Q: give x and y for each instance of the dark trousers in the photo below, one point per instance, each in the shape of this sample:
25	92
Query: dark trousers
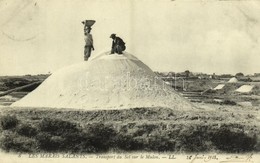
87	52
117	49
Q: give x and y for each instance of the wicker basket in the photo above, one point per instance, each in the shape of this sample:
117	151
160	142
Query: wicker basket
88	23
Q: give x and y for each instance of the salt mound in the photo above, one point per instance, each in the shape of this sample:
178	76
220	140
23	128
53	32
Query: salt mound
233	80
219	87
245	89
105	82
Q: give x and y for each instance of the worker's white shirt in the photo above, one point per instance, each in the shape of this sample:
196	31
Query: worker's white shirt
88	39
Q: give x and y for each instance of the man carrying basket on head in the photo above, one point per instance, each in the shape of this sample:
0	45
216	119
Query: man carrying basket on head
88	38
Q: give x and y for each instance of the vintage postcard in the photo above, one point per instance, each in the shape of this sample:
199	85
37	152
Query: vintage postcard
130	81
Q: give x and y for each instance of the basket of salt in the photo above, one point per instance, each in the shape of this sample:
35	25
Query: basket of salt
88	23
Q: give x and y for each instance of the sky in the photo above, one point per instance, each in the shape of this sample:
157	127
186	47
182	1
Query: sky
210	36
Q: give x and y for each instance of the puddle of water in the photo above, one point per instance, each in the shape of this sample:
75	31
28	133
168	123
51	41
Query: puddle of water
245	103
218	100
8	98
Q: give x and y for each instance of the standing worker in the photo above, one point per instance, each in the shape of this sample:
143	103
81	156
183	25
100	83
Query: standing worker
118	45
88	38
88	44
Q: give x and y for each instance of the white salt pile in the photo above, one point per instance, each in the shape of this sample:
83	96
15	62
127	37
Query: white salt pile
105	82
245	89
219	87
233	80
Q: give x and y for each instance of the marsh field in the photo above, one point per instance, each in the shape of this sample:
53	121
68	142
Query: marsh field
225	122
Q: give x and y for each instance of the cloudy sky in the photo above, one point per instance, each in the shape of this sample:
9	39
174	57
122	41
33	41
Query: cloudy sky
212	36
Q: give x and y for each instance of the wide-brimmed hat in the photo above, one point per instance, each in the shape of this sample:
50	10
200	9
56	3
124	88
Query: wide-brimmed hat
112	35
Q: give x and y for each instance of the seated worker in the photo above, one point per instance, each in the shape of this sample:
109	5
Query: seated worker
118	45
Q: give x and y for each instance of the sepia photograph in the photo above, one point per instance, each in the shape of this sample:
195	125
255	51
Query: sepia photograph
130	80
